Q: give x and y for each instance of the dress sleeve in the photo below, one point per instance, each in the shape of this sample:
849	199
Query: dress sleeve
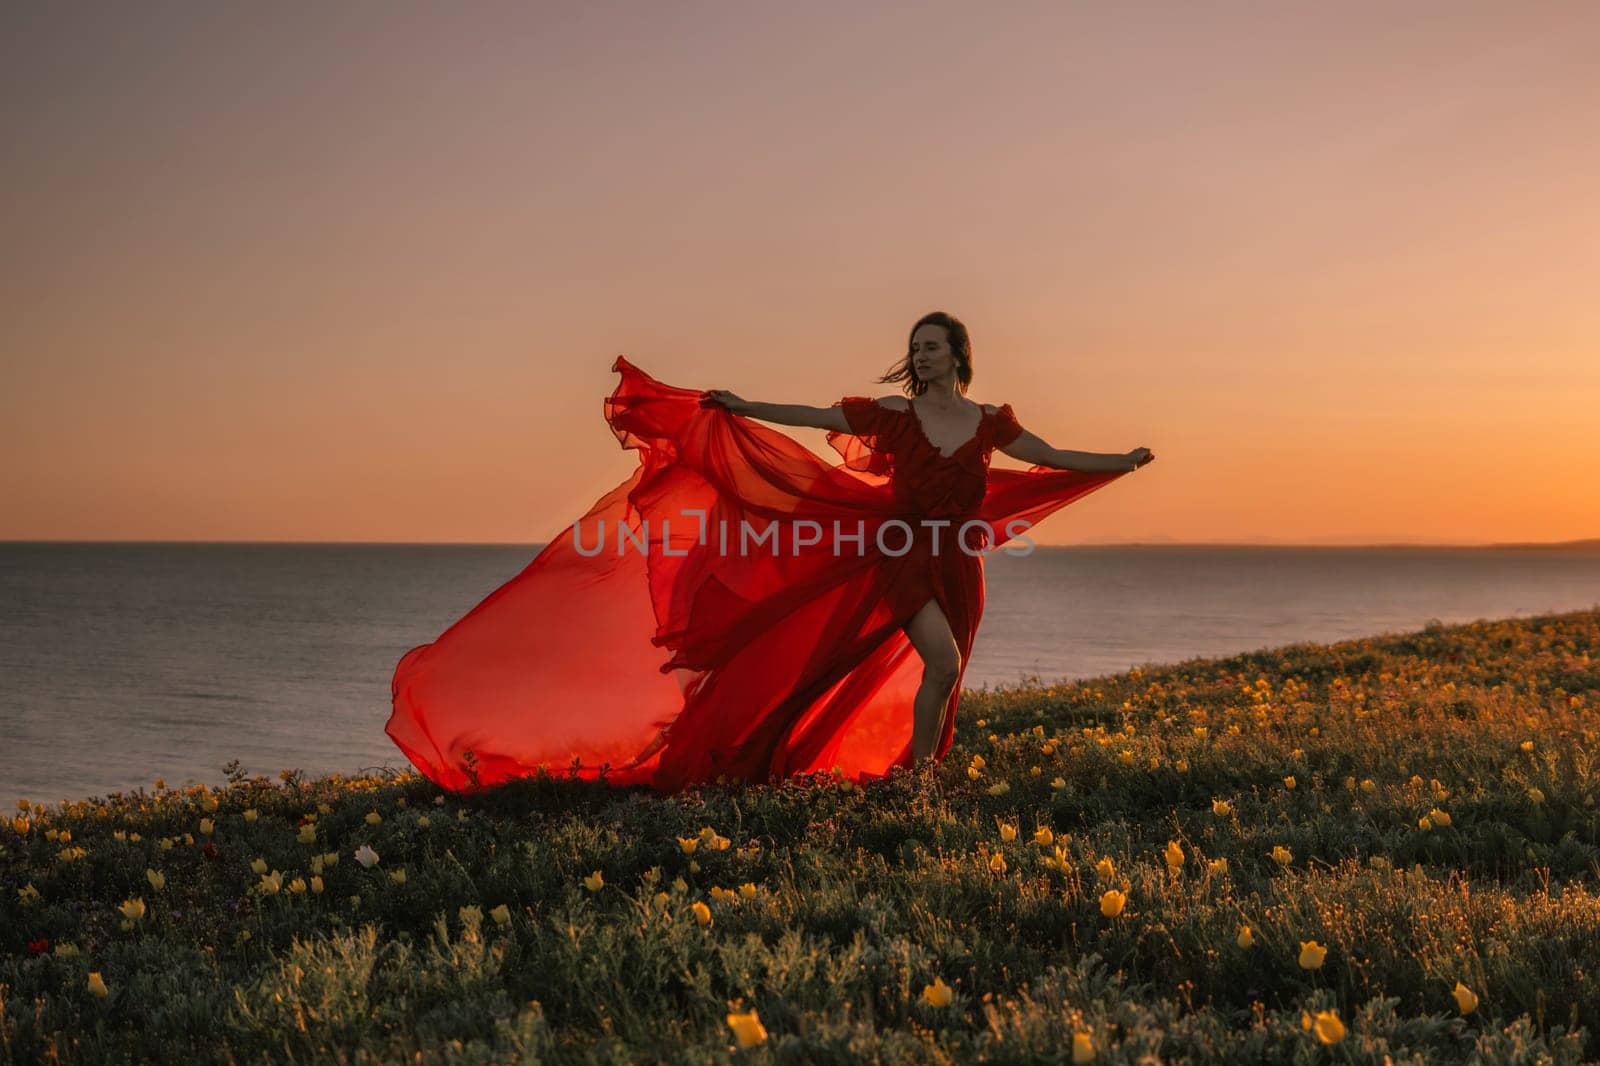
869	444
1006	426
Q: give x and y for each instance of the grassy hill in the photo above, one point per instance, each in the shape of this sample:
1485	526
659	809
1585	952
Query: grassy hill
1406	825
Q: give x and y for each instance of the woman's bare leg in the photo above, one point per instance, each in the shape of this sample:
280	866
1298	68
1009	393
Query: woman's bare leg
930	635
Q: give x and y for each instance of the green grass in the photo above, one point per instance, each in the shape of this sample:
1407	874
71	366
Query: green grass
859	899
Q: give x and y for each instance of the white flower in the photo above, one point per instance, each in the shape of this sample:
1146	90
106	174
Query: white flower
366	856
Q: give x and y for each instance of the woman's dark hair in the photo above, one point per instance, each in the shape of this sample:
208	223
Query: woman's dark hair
960	349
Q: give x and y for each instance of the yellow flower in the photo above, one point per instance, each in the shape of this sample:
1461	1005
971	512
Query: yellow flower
594	882
1246	939
1535	795
1059	783
1424	822
1106	868
1126	757
21	824
271	883
999	788
258	866
132	909
1182	766
298	886
27	894
1112	902
501	915
1200	731
747	1028
748	890
1329	1029
1174	856
250	815
1008	833
206	826
208	803
398	876
1281	855
1311	955
1082	1048
702	913
978	760
688	844
423	821
1044	836
331	858
307	834
937	994
997	863
974	773
1527	745
374	818
1218	866
470	913
1288	782
1221	808
316	886
1440	818
157	879
1368	785
97	984
1466	999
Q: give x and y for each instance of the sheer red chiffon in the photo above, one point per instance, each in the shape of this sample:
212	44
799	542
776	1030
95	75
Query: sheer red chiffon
717	615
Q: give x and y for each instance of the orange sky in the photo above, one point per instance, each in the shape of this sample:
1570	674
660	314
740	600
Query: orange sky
340	272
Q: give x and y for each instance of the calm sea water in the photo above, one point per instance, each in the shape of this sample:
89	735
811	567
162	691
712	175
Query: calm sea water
120	663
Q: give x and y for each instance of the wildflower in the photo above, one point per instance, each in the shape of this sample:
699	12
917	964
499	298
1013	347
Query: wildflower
1174	856
298	886
747	1028
271	883
307	834
1288	782
1044	836
1466	999
1535	796
1125	757
1182	766
974	773
157	879
1368	785
1311	955
937	994
27	894
688	844
1082	1048
66	951
999	788
1246	939
1527	746
1059	783
206	826
594	882
1281	855
1106	868
1424	822
366	856
702	913
1440	818
1112	902
1008	833
501	915
1329	1029
1218	866
258	866
316	886
997	863
132	909
97	984
423	821
374	818
208	803
250	815
398	876
748	890
1221	808
331	858
978	760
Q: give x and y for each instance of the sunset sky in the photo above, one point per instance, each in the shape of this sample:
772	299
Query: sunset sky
357	271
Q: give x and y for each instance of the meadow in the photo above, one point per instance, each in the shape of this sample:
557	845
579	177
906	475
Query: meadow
1379	850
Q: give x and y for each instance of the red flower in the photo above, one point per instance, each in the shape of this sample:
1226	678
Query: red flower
209	851
38	947
303	820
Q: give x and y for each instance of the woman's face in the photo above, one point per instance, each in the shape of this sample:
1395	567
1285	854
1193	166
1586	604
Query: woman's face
930	353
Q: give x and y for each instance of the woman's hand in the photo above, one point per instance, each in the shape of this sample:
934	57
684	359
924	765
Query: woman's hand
1138	457
724	398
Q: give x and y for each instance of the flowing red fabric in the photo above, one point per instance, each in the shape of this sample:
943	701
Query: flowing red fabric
648	644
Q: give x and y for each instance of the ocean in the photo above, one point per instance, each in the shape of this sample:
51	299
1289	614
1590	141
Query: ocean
124	662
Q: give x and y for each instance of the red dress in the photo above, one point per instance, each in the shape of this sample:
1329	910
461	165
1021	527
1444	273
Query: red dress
649	644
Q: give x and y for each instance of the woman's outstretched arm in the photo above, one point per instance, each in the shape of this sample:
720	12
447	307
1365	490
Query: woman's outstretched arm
784	414
1032	449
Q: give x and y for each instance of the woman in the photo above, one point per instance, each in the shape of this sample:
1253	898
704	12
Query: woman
814	617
